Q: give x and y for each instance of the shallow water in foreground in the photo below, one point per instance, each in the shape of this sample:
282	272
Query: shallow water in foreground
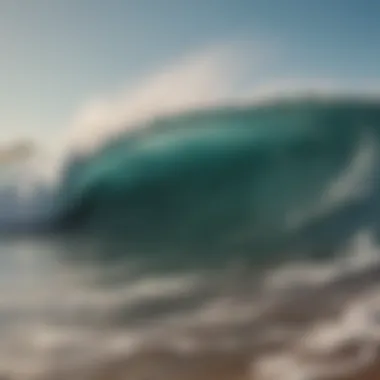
71	314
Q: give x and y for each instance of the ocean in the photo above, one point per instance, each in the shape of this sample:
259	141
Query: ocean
238	242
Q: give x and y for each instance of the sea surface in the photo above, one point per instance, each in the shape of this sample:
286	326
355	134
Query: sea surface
231	243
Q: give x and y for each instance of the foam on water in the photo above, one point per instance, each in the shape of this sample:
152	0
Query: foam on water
60	319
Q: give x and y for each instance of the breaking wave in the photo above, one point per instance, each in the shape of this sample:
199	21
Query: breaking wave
280	183
297	175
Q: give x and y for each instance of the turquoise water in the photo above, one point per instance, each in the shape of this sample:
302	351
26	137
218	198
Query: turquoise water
252	179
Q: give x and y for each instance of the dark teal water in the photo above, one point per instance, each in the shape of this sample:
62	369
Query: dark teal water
255	179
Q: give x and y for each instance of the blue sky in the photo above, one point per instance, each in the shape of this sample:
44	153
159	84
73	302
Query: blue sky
58	55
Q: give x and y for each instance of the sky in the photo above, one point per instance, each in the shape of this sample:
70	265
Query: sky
80	65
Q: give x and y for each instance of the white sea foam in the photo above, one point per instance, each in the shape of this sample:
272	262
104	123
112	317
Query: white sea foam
42	343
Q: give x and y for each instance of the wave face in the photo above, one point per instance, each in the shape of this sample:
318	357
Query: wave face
300	175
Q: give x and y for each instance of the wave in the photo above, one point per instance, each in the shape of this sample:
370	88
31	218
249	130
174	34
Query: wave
295	175
293	178
298	174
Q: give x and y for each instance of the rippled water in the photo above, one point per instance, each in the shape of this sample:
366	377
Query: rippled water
62	309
